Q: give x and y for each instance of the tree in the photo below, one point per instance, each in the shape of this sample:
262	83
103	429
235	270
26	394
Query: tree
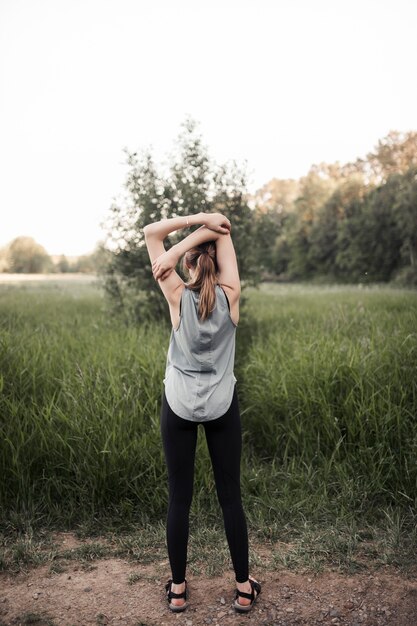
192	184
275	203
24	255
349	221
267	229
405	214
369	240
281	255
314	191
326	224
278	196
394	154
94	263
4	261
352	259
63	265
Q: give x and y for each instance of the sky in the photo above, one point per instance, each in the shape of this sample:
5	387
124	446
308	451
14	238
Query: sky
276	84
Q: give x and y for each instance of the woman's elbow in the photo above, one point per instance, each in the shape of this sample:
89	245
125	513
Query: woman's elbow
147	230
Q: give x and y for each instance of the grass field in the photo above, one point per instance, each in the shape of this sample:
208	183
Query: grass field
327	383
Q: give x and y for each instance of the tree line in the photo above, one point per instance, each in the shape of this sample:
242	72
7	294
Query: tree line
24	255
352	222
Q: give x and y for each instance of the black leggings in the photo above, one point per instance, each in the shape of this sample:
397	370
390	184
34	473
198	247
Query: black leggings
224	440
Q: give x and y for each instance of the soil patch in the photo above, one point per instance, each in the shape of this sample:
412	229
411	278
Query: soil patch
120	592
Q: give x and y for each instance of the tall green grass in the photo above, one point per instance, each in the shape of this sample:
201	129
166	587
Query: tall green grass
331	387
79	407
327	381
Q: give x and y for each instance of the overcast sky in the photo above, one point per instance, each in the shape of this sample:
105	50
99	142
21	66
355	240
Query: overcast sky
281	84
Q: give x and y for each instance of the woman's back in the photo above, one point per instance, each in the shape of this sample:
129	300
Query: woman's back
199	378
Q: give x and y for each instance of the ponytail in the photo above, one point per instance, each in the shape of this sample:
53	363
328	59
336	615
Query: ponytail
203	260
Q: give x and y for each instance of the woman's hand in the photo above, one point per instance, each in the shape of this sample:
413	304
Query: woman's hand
217	222
163	265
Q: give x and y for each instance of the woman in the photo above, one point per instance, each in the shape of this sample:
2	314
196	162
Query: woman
199	387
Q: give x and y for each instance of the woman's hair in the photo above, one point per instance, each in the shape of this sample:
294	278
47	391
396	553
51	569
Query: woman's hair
202	259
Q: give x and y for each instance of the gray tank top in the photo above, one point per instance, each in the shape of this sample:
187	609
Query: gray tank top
199	378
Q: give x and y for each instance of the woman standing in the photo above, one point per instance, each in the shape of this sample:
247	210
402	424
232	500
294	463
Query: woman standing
199	387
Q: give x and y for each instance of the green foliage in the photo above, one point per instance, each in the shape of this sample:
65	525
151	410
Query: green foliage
351	223
370	239
405	215
323	245
267	228
193	184
74	430
25	255
355	222
314	190
94	263
394	154
352	238
63	264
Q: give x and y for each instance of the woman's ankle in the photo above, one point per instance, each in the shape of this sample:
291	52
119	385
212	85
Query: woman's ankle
178	587
246	583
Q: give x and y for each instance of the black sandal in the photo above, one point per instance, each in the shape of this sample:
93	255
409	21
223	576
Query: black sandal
244	608
171	594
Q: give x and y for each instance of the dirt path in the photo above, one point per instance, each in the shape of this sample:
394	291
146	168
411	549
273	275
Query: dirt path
118	592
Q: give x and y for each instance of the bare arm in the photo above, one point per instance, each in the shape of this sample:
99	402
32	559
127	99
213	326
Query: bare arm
228	276
227	264
163	261
214	221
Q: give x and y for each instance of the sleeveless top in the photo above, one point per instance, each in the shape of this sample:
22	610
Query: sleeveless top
199	378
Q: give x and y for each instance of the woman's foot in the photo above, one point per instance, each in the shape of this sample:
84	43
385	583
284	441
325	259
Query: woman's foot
246	594
176	595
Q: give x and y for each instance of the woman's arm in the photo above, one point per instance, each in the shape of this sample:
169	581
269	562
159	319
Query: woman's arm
160	230
228	275
228	267
164	262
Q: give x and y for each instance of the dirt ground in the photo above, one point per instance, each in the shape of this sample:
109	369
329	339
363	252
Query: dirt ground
118	592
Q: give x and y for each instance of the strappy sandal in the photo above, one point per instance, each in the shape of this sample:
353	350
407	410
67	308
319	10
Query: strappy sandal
177	596
244	608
